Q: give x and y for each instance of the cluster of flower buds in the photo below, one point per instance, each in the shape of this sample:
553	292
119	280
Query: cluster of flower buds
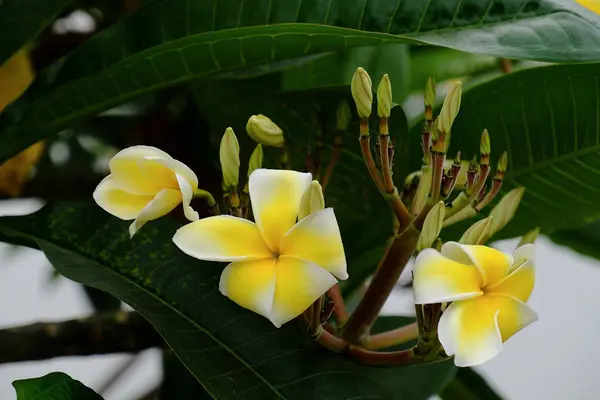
266	133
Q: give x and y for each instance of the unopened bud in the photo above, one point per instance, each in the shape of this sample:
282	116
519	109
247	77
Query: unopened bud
384	97
432	226
486	146
530	237
450	108
312	200
229	154
479	232
362	92
265	131
256	159
506	208
430	92
343	115
502	165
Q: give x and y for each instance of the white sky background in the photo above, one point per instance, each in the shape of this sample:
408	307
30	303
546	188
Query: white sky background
555	358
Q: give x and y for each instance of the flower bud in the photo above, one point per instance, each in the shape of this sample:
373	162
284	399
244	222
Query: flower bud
502	166
430	92
256	159
506	208
384	97
486	146
312	201
343	115
229	153
450	108
479	232
362	92
432	226
265	131
530	237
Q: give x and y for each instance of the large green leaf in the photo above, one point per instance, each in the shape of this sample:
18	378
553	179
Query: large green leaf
585	240
469	385
54	386
547	119
189	40
232	352
22	20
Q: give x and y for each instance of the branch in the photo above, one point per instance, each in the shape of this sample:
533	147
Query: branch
117	332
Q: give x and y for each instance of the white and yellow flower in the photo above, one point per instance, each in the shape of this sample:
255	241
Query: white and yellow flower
146	183
278	267
488	290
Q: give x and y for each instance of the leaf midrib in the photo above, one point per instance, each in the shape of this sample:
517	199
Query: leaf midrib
41	241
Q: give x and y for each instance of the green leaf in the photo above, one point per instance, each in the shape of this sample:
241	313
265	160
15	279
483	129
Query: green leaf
584	240
337	69
54	386
231	351
469	385
197	39
22	20
547	119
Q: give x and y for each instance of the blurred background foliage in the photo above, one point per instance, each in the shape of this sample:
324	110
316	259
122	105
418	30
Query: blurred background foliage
81	79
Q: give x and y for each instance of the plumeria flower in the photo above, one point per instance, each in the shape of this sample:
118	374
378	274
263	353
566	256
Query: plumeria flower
146	183
488	290
278	267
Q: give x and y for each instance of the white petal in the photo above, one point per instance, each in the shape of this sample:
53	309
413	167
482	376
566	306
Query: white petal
187	193
118	202
298	284
438	279
250	284
275	197
493	264
317	239
164	202
469	330
222	238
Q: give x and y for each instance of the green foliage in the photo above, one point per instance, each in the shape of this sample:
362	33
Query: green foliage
547	120
469	385
54	386
228	349
22	20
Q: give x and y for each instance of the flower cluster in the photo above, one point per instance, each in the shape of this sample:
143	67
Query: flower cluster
285	260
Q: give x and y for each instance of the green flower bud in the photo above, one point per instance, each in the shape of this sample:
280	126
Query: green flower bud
485	147
430	92
384	97
432	226
479	232
529	237
450	108
506	208
343	116
229	153
312	201
502	163
256	159
265	131
362	92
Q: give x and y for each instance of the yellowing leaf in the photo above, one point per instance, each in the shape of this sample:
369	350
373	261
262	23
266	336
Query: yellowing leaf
15	172
16	75
593	5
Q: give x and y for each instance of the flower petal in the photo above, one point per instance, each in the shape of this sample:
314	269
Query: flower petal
118	202
469	330
222	238
164	202
275	197
438	279
513	315
298	284
492	264
137	170
522	253
187	193
250	284
317	239
518	284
